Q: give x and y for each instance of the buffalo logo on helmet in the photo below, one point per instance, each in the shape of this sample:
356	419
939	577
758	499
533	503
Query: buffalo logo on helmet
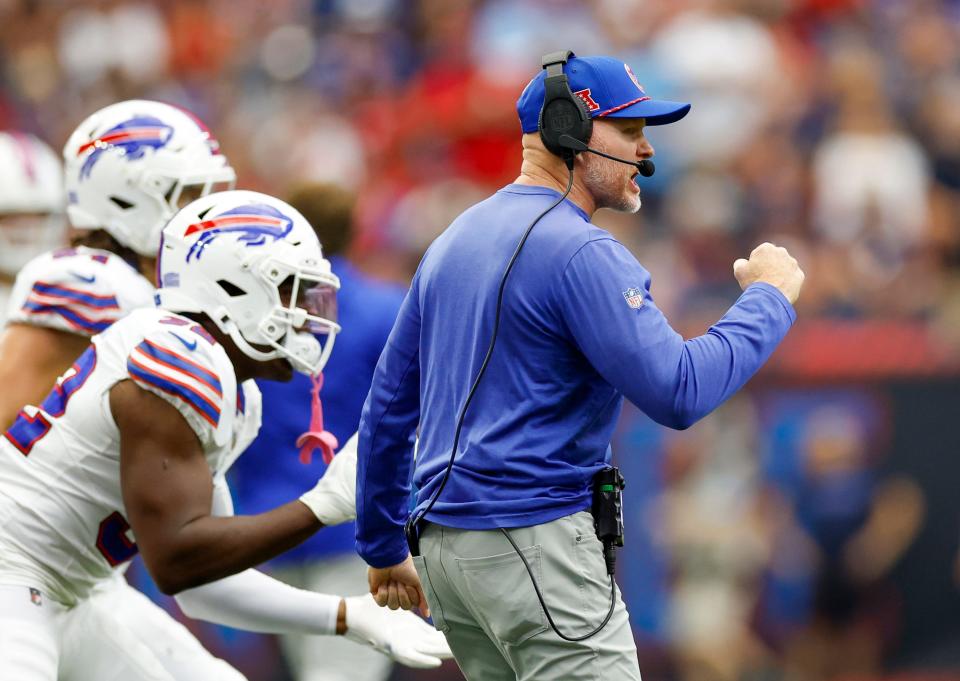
133	137
254	223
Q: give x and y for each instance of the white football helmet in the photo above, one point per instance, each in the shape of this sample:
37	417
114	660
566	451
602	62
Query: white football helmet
31	200
128	164
254	266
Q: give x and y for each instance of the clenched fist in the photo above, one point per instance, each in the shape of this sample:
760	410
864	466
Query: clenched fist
772	265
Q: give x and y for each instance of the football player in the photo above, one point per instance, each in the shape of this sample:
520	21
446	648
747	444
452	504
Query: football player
128	168
128	453
31	205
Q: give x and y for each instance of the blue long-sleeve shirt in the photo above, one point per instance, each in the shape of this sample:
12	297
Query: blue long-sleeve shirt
579	331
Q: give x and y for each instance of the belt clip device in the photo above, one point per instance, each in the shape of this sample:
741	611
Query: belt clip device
608	512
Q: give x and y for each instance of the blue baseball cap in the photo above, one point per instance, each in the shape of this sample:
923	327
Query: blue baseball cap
609	89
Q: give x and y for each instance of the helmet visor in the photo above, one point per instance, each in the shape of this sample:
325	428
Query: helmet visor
319	300
310	302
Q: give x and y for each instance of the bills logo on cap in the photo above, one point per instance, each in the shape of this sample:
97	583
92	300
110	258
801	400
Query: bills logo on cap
584	95
633	78
36	597
634	297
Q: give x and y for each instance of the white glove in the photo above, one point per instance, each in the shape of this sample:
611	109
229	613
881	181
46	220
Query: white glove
334	499
398	634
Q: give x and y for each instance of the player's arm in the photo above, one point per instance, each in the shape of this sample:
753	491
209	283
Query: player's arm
31	359
168	489
604	300
254	601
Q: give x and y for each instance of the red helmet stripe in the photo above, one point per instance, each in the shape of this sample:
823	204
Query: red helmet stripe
123	136
228	220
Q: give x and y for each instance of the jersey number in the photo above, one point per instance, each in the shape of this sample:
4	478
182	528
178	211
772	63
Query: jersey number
28	430
113	542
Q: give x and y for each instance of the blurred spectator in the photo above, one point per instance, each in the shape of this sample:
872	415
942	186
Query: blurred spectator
726	62
870	179
129	40
836	610
719	539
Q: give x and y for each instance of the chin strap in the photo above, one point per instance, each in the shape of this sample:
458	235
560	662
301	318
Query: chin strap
316	437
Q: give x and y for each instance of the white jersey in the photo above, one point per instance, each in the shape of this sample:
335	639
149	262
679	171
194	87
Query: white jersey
78	290
62	518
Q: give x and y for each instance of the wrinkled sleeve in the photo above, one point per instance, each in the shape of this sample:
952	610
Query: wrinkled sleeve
606	305
385	455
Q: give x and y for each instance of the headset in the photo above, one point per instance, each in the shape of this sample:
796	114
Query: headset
565	124
565	129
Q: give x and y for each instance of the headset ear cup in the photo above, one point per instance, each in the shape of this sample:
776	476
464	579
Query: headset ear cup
563	113
556	118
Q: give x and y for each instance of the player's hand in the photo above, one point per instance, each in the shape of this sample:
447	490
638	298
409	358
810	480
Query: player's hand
401	635
398	586
334	499
772	265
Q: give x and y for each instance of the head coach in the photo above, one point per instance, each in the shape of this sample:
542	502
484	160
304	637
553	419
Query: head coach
524	328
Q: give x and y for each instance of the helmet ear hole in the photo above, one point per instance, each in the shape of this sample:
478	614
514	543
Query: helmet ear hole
231	289
121	203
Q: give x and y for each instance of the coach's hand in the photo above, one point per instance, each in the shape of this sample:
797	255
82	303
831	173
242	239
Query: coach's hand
772	265
398	586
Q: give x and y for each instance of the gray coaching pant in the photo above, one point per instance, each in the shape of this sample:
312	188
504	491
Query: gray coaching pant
482	600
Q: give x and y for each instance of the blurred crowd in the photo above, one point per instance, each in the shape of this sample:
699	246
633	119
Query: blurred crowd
832	126
829	126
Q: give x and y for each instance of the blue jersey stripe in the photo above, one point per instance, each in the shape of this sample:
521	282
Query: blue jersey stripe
88	299
200	404
75	318
181	364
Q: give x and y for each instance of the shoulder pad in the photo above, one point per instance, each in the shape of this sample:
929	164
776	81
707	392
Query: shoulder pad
179	361
80	291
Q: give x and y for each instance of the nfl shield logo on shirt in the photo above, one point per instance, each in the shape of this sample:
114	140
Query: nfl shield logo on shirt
634	297
35	597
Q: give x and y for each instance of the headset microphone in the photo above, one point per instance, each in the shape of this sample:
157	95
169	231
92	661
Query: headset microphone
644	167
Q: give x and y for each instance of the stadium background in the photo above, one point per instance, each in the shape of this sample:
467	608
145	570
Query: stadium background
810	528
